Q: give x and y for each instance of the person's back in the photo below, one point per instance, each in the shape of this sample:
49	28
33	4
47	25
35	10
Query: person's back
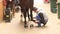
43	16
43	12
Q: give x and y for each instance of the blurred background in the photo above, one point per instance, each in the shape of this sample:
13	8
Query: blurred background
15	26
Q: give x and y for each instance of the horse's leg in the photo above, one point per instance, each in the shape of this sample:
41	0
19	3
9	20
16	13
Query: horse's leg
27	9
31	14
24	13
25	23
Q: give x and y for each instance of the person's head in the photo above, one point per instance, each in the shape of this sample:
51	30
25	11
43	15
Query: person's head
34	9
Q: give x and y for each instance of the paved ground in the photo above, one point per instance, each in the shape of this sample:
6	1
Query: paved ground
16	27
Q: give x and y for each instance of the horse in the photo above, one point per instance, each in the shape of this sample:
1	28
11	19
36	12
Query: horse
25	6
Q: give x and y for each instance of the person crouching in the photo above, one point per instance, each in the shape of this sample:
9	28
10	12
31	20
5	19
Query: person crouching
41	17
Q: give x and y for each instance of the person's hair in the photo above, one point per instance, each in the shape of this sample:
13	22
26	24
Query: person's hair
34	8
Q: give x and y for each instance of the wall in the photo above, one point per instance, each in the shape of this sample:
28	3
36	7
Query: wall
1	10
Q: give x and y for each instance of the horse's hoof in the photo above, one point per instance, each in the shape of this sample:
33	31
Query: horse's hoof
25	26
31	26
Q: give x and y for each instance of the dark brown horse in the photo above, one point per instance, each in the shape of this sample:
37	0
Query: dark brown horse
25	6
